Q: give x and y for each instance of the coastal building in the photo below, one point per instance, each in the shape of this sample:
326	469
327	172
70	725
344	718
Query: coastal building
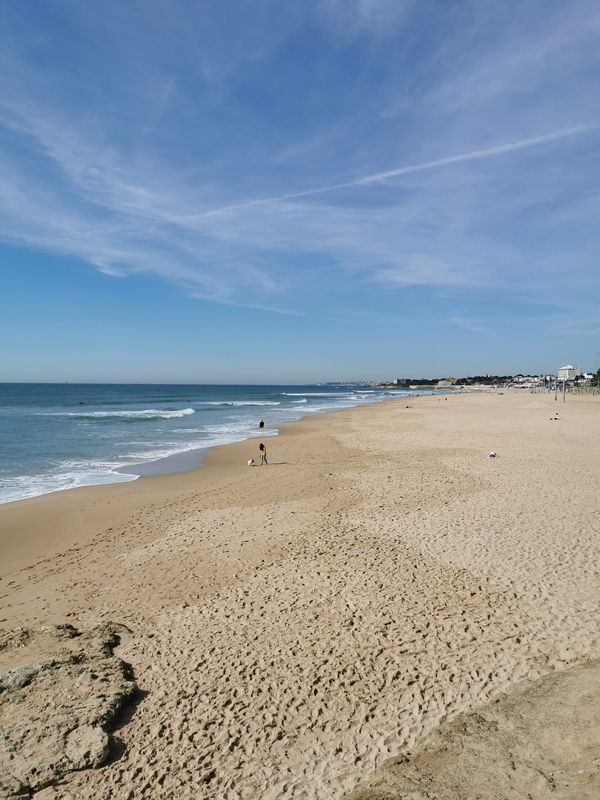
567	373
445	382
414	383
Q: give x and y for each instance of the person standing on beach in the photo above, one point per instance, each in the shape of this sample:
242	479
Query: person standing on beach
261	424
263	453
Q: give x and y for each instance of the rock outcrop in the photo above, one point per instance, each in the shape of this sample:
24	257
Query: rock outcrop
540	741
57	702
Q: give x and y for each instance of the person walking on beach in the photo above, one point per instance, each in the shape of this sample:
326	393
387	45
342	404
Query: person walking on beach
261	424
263	453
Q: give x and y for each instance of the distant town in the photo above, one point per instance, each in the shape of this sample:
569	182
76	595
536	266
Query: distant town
569	376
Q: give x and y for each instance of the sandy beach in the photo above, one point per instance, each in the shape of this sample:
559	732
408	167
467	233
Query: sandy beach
293	626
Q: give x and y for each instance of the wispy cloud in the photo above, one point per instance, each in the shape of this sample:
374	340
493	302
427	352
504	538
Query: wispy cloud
352	18
183	164
473	325
505	56
397	172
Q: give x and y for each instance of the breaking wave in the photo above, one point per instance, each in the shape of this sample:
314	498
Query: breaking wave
146	413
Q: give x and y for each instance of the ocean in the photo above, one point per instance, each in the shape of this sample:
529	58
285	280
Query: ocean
58	436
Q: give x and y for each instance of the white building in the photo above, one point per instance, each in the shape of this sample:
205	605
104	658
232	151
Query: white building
567	373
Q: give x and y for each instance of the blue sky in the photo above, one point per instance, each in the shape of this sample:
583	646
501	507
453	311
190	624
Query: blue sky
280	191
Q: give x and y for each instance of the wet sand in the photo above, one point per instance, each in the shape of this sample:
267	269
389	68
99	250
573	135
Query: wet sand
295	625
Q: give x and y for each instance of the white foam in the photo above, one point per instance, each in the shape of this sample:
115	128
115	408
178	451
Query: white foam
146	413
323	407
316	394
25	486
236	426
211	436
236	403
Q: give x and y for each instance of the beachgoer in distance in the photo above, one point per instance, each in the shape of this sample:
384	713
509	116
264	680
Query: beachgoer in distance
263	453
261	424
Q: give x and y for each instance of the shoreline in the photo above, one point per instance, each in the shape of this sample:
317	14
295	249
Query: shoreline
189	457
293	626
66	507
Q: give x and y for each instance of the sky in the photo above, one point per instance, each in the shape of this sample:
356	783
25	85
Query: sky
258	192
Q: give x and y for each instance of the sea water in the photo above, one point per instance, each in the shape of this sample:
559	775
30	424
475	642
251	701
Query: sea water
58	436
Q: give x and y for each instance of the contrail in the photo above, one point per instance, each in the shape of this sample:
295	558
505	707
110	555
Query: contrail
376	177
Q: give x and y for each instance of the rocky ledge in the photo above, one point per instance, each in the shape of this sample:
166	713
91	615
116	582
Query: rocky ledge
57	703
